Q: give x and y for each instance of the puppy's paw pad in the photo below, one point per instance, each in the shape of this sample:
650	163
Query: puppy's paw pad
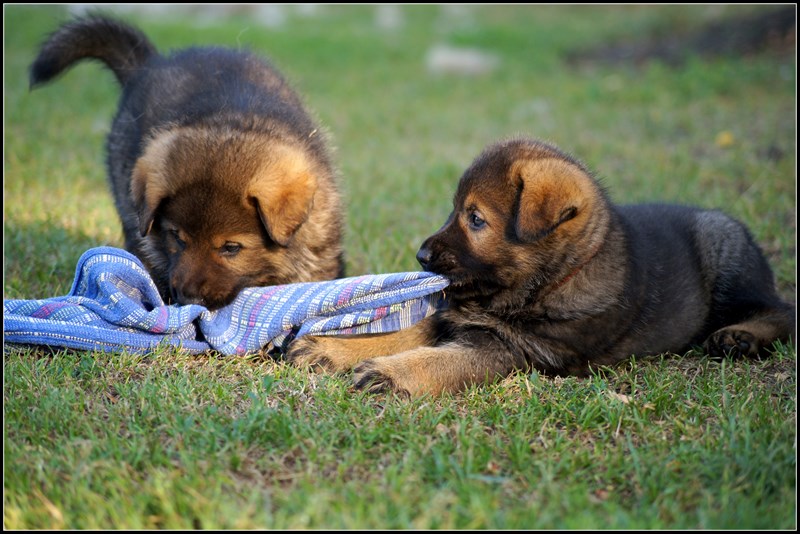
731	343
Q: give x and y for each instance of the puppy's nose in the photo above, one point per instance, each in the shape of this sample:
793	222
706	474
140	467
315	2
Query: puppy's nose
185	296
424	256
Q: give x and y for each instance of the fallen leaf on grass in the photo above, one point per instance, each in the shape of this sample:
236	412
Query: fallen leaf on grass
624	399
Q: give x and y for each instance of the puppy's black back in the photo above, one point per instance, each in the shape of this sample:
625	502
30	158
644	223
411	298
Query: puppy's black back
702	263
196	85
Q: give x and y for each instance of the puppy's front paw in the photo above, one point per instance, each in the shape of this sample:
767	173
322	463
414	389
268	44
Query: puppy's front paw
307	351
731	342
373	377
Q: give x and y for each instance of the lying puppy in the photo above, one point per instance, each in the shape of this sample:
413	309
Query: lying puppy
221	178
548	274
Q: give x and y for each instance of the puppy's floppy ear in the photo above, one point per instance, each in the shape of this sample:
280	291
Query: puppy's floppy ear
552	192
283	191
149	187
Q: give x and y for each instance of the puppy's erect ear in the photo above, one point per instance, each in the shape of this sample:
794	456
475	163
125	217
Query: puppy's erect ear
148	186
283	191
553	191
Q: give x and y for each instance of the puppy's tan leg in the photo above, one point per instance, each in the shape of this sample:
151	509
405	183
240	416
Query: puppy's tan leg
752	337
341	353
435	370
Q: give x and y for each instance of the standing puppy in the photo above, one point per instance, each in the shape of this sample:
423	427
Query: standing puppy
221	179
547	273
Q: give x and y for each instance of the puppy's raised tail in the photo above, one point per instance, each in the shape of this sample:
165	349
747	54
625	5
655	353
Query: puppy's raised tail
121	47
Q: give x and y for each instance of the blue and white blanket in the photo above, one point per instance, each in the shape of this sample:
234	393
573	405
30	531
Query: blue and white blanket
114	305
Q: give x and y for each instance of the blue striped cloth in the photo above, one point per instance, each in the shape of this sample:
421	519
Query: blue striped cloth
114	305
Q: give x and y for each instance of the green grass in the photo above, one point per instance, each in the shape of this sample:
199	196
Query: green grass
168	440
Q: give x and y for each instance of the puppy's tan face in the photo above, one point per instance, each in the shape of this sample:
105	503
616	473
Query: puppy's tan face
521	214
213	254
220	214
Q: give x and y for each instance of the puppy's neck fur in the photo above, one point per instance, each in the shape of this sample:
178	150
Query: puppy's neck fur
578	268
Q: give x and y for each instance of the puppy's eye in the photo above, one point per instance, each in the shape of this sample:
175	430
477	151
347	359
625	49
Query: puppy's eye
178	241
230	249
476	221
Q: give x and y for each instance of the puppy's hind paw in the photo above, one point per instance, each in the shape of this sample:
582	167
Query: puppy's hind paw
731	343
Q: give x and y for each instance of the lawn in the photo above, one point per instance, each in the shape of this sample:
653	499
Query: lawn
177	441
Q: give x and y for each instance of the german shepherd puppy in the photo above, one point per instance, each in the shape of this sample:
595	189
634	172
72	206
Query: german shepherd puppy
221	179
548	274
